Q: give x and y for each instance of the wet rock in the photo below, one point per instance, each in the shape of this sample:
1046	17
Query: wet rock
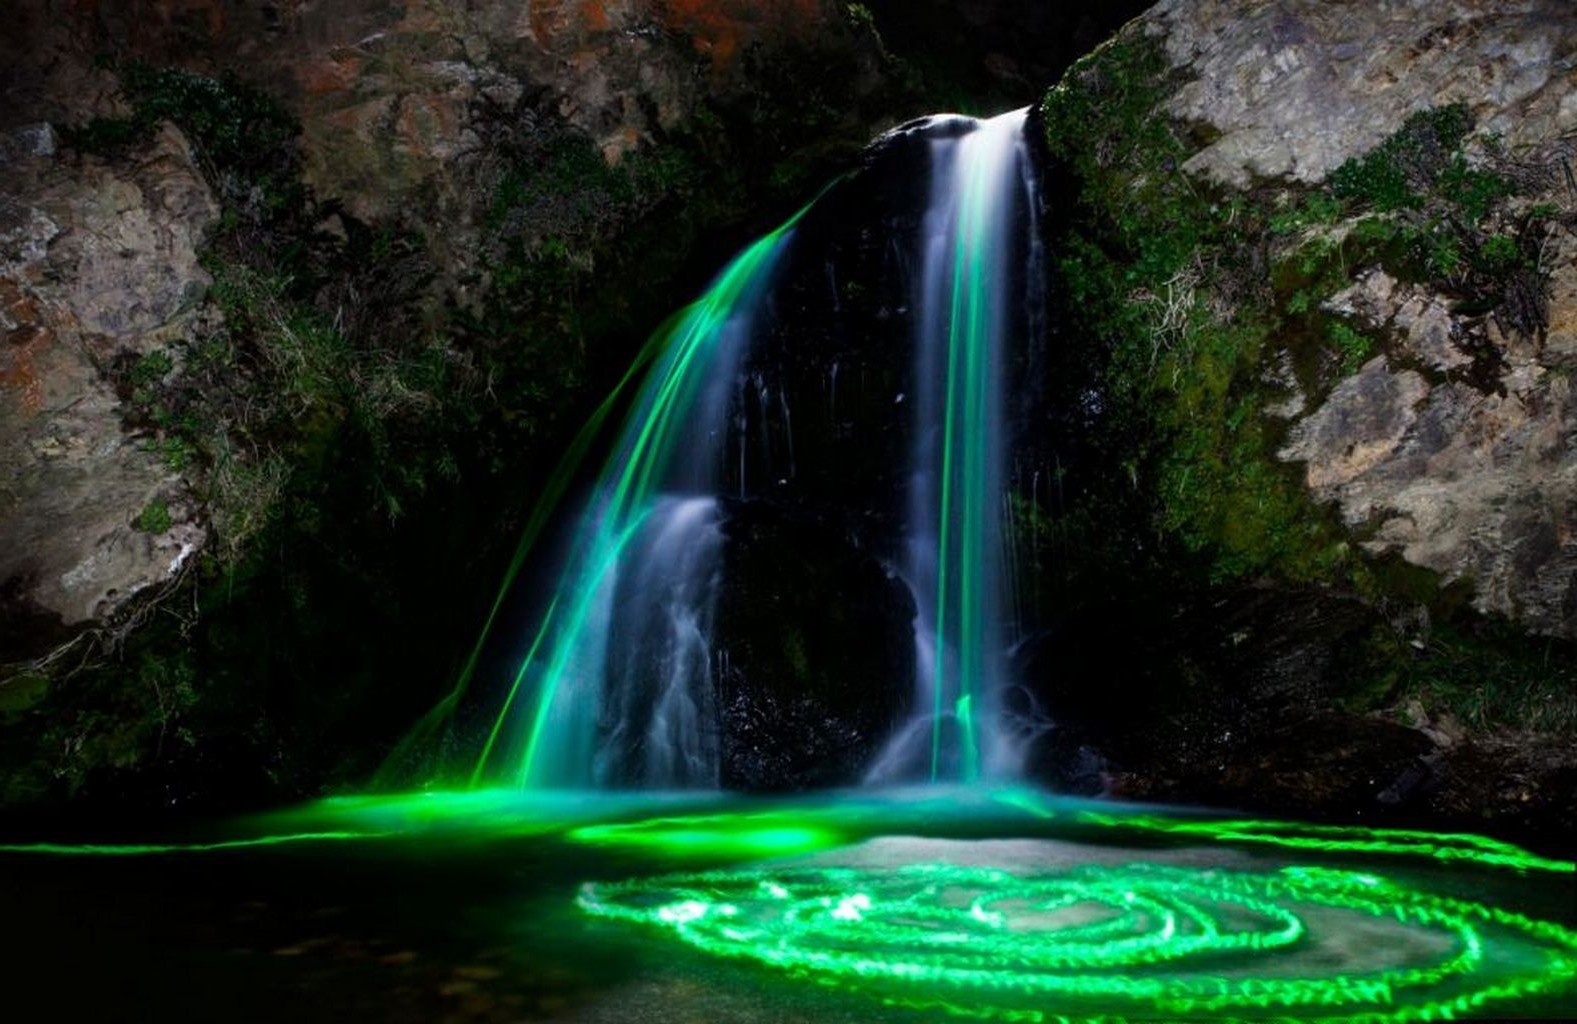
822	418
814	646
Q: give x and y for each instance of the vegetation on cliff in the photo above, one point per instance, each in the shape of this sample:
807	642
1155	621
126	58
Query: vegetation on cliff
1198	319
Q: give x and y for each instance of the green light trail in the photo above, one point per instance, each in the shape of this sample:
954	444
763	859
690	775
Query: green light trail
962	341
1339	839
1088	943
756	835
551	749
839	822
966	450
604	819
155	849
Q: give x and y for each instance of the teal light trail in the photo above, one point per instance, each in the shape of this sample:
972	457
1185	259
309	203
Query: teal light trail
551	744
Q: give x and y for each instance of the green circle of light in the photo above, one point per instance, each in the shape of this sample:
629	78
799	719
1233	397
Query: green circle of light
1098	942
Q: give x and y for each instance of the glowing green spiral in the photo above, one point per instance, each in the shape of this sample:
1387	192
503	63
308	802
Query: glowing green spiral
1100	942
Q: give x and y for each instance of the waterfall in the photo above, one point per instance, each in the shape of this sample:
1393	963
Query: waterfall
618	685
954	553
641	574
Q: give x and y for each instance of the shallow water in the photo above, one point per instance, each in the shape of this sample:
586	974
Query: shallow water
1008	905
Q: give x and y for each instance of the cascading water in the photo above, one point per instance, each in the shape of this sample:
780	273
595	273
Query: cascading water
619	685
658	699
620	666
981	194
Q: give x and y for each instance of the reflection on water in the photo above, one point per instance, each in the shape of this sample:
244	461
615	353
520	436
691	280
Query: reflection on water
1010	905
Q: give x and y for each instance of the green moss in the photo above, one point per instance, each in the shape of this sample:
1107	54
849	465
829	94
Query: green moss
1310	209
1452	218
151	369
1106	121
1500	253
1145	249
1353	347
1397	174
21	694
154	518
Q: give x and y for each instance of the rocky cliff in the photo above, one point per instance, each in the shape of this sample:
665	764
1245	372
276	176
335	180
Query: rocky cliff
1316	279
301	299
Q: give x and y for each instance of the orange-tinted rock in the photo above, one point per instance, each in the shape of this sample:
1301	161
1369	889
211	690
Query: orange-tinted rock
720	28
100	264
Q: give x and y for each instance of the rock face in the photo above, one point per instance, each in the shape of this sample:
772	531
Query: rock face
391	97
1475	479
1316	284
402	106
98	266
1292	88
1475	486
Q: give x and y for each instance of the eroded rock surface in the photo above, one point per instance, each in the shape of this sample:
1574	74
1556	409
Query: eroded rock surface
1458	449
1292	88
97	264
403	107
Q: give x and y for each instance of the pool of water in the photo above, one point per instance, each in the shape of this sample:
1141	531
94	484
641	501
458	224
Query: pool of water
1004	905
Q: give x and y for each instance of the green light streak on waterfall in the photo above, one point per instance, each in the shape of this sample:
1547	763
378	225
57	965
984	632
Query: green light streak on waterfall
428	728
965	472
625	492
